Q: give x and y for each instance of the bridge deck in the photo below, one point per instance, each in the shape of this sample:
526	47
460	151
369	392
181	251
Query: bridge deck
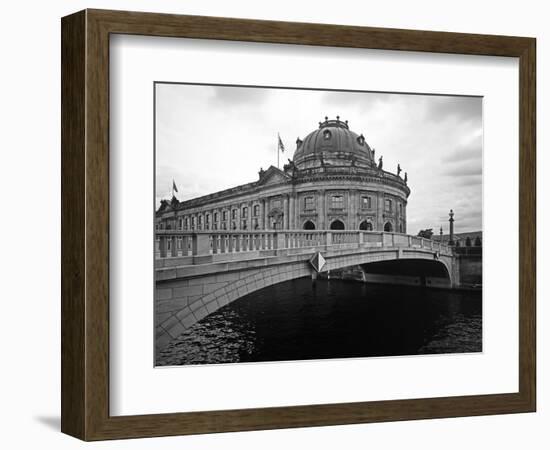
198	273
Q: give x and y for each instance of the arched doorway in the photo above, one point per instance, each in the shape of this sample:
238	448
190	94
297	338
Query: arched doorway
366	226
309	225
388	227
337	225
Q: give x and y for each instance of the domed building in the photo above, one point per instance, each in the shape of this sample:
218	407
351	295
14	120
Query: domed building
332	182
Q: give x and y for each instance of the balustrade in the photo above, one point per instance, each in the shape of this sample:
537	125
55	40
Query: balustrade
175	243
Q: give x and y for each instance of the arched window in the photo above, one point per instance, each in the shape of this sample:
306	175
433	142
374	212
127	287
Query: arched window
337	225
388	227
477	242
365	225
309	225
468	242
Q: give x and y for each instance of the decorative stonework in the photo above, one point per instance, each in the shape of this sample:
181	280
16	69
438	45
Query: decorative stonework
343	164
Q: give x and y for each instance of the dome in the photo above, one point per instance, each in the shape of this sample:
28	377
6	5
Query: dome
333	143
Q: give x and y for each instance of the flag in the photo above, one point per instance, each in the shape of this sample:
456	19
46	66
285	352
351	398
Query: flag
174	187
281	145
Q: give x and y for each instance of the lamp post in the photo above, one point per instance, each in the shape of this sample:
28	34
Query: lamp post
451	227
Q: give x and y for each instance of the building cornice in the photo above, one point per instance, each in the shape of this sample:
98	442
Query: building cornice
376	177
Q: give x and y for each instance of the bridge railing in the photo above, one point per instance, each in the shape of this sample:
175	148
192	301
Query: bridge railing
174	243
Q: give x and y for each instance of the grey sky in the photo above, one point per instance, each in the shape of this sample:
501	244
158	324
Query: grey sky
210	138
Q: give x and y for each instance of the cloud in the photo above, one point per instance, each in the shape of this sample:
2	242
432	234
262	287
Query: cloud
471	180
458	108
231	96
471	149
466	169
366	101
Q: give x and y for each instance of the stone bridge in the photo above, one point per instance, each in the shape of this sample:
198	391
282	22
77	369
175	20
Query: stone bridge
197	273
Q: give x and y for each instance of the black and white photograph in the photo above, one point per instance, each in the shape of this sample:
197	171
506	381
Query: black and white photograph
270	225
296	224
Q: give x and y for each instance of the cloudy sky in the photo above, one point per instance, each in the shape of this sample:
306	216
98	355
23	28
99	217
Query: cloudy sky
210	138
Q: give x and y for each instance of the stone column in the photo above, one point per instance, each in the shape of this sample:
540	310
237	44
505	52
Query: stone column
355	209
351	210
266	214
291	211
351	219
262	214
285	211
404	217
379	211
238	217
321	210
297	222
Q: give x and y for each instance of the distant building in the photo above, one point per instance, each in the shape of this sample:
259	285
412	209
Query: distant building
332	182
470	239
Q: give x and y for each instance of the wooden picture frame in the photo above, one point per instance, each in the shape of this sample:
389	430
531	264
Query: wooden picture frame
85	224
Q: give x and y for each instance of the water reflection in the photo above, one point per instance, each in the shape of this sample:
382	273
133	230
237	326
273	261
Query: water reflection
297	320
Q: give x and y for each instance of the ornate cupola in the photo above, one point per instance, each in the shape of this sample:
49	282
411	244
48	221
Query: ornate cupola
333	144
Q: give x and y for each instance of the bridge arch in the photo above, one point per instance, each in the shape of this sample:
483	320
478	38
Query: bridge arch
187	291
409	271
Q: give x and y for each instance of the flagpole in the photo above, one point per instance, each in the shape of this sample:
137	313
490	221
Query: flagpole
280	148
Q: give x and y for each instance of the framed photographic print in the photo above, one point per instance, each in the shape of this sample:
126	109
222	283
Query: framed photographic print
270	224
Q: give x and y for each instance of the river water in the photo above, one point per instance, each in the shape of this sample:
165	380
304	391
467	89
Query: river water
299	319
